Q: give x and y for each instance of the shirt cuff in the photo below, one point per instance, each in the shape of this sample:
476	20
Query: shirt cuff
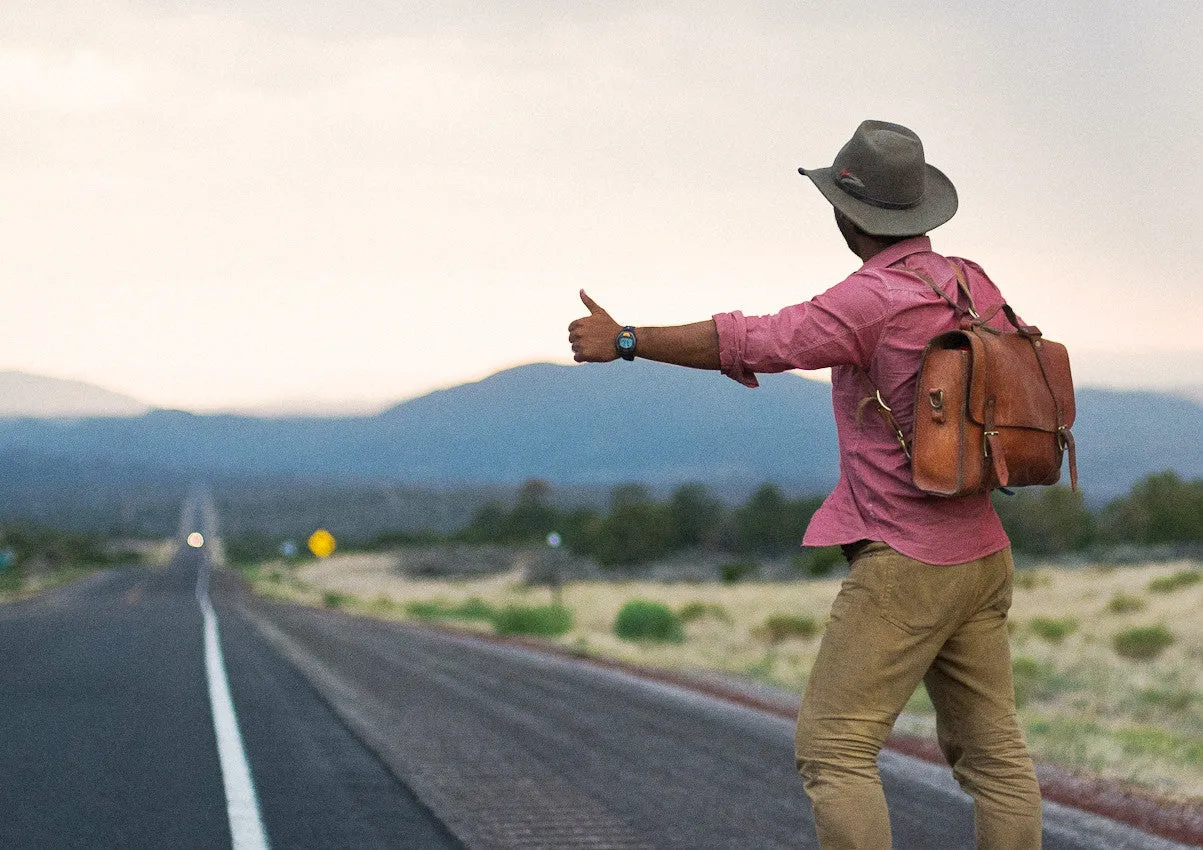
732	335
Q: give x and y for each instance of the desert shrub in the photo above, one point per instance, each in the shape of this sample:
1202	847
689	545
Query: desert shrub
735	572
426	610
1142	643
1179	580
691	611
652	621
780	627
334	599
1053	630
1024	671
1036	680
1122	603
473	609
538	620
1168	700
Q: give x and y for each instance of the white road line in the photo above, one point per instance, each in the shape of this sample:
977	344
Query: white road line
246	825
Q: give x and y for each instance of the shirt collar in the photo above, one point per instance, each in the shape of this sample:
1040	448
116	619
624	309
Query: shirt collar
891	255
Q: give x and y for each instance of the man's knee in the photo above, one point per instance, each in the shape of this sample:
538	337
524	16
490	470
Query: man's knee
835	755
994	764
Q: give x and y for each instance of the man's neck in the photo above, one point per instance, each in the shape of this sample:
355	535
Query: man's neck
867	247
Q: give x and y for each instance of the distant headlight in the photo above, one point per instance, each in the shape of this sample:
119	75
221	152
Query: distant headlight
196	540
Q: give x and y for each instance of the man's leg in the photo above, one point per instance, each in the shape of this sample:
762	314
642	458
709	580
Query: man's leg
869	663
971	688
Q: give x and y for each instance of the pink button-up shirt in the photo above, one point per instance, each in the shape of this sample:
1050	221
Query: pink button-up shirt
878	319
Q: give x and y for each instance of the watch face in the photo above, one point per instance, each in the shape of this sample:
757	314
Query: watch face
626	341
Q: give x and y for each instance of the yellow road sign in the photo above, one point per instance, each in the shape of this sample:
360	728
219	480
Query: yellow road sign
322	543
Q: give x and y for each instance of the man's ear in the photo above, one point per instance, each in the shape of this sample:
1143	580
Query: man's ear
853	235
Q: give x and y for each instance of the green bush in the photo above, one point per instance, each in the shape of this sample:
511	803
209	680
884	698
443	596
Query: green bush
1026	673
1142	643
1169	700
691	611
473	609
1038	680
334	599
780	627
1051	630
1168	584
651	621
538	620
1122	603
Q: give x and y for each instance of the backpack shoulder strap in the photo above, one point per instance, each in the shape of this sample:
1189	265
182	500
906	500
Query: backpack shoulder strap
962	285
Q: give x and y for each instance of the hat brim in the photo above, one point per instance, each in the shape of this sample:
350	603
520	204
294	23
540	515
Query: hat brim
939	204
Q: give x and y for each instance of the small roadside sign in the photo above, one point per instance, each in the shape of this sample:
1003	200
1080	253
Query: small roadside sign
322	543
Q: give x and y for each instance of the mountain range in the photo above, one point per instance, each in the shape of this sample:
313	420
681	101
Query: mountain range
41	396
574	425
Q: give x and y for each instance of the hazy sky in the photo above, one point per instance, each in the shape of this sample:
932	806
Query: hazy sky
217	203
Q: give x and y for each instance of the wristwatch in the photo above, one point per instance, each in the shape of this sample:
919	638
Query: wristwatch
625	343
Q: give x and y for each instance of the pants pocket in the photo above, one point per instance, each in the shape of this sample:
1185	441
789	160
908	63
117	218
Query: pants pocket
919	597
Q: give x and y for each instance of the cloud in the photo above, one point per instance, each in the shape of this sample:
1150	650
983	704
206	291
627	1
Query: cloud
267	164
79	82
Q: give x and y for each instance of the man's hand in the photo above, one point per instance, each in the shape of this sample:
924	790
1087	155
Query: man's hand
592	336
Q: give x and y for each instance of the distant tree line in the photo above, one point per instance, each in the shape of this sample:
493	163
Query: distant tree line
637	528
1160	510
29	548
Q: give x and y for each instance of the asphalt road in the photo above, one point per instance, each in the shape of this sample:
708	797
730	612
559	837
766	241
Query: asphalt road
514	748
367	734
107	733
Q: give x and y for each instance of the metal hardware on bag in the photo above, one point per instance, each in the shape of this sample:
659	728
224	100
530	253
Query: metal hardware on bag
986	435
898	435
1061	439
936	399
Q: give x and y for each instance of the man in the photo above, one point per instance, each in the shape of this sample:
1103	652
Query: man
929	585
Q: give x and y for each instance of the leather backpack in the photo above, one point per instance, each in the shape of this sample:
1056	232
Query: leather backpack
993	409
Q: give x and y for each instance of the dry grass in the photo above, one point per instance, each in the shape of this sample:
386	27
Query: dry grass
1085	707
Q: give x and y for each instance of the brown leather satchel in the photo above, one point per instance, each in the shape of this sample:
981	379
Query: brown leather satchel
993	409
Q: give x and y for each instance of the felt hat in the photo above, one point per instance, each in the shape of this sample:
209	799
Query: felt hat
881	182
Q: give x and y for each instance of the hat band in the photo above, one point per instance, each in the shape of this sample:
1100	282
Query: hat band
851	185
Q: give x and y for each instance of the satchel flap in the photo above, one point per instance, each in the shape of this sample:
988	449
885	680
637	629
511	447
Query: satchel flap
1006	369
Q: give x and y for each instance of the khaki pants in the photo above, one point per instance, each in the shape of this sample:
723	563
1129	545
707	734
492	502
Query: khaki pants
896	622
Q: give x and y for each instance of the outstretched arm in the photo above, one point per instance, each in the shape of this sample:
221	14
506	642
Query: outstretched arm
694	345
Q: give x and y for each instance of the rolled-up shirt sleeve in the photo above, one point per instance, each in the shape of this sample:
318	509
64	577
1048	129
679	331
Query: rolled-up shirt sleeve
839	327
